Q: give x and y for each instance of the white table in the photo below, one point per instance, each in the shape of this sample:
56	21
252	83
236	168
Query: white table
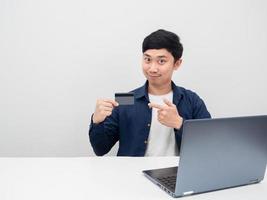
97	178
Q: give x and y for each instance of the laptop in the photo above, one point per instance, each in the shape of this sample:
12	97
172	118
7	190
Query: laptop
216	154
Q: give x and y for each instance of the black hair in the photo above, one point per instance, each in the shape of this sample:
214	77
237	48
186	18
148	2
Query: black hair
162	39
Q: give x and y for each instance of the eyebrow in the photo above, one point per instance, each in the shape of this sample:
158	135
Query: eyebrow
157	56
146	55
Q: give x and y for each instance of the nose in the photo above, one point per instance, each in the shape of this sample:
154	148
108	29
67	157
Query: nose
153	67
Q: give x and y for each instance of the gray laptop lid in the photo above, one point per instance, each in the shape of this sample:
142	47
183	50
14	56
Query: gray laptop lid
221	153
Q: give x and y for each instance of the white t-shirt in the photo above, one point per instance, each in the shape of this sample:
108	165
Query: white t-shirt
161	140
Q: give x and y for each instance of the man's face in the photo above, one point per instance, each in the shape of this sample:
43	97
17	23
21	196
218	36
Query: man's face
158	66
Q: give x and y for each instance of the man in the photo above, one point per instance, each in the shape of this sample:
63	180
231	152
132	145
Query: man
153	125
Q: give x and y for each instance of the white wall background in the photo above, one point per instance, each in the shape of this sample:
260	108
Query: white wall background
58	56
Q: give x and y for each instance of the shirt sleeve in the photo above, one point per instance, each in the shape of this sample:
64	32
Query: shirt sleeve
199	109
103	136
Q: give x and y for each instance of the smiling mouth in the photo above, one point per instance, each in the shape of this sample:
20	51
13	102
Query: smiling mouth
153	76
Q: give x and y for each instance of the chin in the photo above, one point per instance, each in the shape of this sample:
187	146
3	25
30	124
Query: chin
158	82
155	82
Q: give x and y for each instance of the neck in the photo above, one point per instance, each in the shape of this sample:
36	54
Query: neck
159	89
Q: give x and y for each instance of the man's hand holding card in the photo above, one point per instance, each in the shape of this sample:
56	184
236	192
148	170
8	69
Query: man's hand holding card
104	107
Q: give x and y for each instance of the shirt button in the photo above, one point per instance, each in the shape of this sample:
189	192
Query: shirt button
145	141
148	125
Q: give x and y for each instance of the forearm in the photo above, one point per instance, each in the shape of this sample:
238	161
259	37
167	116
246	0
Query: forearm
102	140
98	139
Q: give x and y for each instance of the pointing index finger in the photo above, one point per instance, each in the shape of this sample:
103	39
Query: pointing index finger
167	102
154	105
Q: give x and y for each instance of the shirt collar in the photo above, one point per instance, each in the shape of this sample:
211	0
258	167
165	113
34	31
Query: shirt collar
143	92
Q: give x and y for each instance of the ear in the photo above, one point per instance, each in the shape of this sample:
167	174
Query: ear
177	64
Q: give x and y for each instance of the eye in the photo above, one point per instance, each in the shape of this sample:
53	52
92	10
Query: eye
162	61
147	59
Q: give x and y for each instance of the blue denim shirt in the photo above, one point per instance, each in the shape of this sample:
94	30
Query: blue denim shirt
130	124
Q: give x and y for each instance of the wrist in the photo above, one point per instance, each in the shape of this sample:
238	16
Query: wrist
179	123
94	120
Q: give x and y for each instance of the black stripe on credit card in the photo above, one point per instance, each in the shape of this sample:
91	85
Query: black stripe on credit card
123	94
124	98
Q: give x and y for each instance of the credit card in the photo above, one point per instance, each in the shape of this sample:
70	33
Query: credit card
124	98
